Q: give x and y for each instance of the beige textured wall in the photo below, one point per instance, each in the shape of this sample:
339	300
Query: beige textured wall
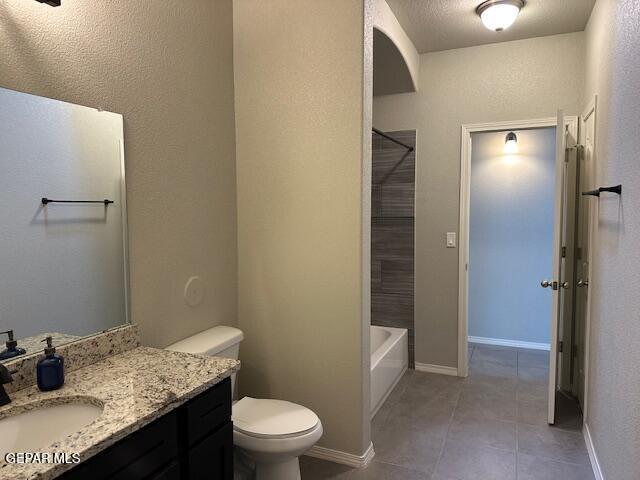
168	68
505	81
613	73
299	120
365	226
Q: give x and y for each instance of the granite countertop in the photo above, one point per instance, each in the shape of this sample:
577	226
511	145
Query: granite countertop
35	344
134	388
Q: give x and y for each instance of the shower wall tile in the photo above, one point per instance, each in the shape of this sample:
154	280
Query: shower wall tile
391	310
392	163
391	169
412	348
376	275
392	240
392	234
397	277
396	200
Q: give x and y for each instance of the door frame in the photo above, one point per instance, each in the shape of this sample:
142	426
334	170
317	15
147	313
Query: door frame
571	123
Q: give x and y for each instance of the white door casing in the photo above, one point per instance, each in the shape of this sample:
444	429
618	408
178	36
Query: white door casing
571	125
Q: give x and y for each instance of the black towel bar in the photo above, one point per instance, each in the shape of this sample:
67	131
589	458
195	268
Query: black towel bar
46	201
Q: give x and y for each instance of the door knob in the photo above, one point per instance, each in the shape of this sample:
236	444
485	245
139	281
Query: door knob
583	283
553	284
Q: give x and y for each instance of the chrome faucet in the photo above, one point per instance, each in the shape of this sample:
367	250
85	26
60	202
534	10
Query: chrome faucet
5	377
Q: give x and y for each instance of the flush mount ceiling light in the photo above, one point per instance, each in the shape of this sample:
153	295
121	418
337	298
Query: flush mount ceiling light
53	3
511	143
498	15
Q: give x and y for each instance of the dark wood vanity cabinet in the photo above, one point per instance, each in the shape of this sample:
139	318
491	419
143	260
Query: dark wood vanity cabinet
193	442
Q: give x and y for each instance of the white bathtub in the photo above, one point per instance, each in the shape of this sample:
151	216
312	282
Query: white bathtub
389	360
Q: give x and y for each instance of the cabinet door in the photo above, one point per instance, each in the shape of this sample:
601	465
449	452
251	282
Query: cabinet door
209	411
212	458
172	472
139	456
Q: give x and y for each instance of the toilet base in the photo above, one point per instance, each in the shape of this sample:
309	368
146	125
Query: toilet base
243	467
246	468
274	458
286	470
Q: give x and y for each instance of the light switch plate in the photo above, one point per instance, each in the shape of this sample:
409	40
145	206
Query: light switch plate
451	239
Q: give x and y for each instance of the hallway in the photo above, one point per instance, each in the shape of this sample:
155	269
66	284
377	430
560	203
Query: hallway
491	425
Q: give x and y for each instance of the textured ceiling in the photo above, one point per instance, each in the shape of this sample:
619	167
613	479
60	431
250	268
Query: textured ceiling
436	25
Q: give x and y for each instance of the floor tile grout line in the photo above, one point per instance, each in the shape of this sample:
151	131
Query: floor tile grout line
403	467
517	439
446	435
550	459
517	411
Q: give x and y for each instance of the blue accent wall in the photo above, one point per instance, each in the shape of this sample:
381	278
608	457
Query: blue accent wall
511	235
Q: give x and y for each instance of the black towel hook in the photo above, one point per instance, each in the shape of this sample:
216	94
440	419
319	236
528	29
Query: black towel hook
617	189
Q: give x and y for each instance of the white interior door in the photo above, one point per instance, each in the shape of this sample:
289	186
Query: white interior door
555	284
585	225
570	256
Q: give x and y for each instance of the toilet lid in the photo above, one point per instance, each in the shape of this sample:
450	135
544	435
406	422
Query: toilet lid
263	417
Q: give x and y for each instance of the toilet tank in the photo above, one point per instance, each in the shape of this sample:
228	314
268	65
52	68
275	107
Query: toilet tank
219	341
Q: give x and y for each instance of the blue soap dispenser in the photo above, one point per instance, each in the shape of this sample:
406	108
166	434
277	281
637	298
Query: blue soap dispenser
50	369
12	349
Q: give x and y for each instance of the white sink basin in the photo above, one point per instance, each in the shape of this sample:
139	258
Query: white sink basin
36	428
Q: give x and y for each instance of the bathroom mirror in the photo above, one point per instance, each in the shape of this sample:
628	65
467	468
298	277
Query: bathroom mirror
63	236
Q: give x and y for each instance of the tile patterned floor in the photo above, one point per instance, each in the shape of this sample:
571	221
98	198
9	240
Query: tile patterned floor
489	426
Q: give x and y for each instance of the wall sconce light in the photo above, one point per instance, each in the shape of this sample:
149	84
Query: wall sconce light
53	3
498	15
511	143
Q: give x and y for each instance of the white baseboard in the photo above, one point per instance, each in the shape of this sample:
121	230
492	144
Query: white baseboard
336	456
510	343
440	369
595	464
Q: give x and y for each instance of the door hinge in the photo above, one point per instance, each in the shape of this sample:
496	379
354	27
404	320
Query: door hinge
560	345
579	253
564	252
574	351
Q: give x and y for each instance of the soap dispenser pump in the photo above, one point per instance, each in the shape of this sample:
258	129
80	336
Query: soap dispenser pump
50	369
12	349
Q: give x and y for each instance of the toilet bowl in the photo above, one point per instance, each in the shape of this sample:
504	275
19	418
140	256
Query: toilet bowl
272	434
268	435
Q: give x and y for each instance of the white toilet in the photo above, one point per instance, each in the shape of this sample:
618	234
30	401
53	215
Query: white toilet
268	435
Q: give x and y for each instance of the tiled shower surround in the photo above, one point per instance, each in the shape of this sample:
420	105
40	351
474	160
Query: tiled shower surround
392	233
